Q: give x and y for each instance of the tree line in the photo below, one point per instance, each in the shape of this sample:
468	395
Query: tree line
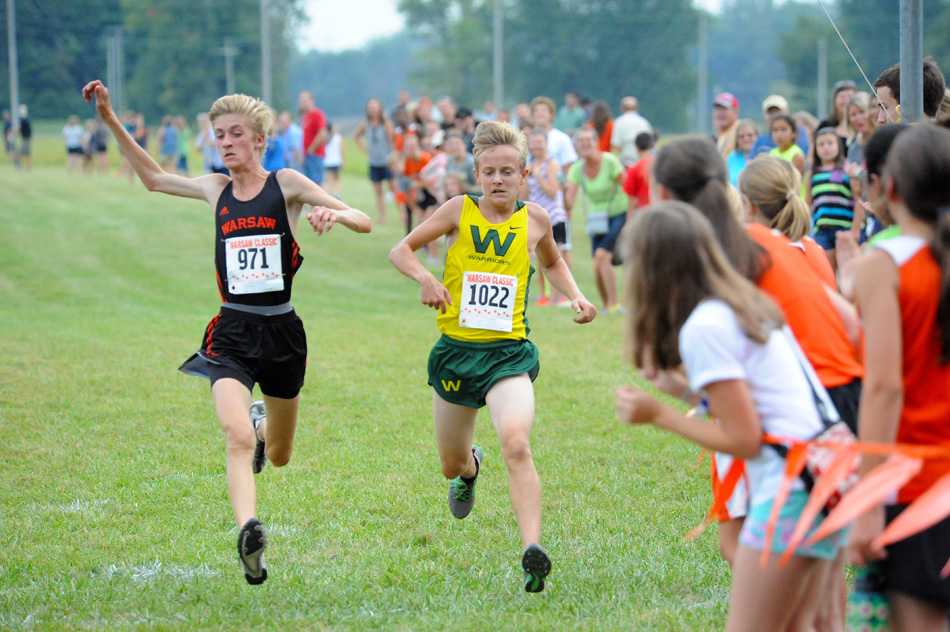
174	61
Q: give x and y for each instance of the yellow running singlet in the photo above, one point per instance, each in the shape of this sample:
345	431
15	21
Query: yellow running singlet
487	271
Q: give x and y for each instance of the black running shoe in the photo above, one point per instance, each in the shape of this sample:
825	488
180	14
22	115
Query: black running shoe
536	565
257	414
252	540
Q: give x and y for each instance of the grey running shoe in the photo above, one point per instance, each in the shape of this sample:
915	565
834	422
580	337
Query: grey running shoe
252	540
462	494
536	565
257	414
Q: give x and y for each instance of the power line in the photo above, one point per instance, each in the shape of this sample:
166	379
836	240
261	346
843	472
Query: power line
856	63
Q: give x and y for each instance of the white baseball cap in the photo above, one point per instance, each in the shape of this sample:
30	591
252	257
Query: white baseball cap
774	101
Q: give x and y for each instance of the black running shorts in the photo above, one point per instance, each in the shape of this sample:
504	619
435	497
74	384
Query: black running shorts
268	350
913	565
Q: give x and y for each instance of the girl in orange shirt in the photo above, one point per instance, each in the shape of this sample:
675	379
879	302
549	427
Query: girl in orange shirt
768	187
903	294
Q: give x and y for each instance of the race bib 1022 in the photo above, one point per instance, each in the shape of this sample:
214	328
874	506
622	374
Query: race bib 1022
253	264
488	301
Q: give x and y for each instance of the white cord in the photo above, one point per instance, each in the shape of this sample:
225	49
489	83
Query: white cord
848	48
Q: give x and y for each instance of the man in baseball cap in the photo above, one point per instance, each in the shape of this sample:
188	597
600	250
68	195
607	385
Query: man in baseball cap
772	105
725	120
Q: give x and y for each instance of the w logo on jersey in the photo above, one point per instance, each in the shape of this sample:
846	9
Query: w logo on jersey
491	237
451	385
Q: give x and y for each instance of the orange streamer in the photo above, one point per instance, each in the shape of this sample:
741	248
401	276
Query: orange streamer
930	508
825	487
795	462
880	483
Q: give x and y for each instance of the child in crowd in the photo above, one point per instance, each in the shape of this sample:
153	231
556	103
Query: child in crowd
768	187
784	133
880	224
419	201
184	145
88	145
168	144
829	193
746	134
543	187
333	161
453	184
694	310
72	138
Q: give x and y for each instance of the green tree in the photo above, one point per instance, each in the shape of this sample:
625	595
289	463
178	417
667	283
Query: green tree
742	45
459	59
172	59
606	50
798	51
343	82
61	46
601	49
872	30
176	63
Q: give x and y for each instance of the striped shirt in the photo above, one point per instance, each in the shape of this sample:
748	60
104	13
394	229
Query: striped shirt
553	205
832	202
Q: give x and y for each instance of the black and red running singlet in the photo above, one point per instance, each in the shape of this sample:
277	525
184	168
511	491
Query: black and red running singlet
256	255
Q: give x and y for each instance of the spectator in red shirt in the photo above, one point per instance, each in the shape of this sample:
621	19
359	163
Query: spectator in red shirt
314	136
637	183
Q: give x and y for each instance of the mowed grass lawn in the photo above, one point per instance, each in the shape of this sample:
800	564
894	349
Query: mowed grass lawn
115	511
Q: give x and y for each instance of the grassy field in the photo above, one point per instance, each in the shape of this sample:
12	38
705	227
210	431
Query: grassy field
115	508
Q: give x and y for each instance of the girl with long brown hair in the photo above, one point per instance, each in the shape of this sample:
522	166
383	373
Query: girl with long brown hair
694	310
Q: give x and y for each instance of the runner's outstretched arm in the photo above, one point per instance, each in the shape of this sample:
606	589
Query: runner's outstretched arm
206	187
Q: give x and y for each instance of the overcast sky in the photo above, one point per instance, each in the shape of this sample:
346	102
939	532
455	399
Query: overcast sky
337	25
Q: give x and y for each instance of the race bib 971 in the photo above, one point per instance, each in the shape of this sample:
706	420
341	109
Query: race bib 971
488	301
253	264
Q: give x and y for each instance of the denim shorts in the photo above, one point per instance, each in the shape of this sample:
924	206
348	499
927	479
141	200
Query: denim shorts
608	240
379	174
313	168
825	236
753	530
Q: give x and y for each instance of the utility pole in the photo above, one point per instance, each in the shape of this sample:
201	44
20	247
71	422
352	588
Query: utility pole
229	51
498	67
114	72
265	54
912	60
822	93
14	74
702	106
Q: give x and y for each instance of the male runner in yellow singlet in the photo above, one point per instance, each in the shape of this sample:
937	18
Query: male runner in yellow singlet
484	355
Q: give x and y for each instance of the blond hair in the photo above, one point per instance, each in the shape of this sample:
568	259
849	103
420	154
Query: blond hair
774	186
492	134
863	101
259	116
546	102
